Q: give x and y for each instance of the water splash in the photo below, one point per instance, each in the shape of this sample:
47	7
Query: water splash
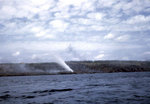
62	63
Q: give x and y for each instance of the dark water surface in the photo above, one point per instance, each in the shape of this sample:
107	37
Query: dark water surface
100	88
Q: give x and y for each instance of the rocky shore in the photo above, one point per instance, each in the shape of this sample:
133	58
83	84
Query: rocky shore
10	69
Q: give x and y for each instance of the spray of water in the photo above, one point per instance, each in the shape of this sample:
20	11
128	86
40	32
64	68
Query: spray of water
62	63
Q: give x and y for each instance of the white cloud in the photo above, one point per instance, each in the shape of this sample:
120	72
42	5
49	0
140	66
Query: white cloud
86	46
75	59
36	29
123	38
96	27
49	36
38	2
81	22
138	19
79	7
7	12
71	2
104	3
28	9
62	15
96	16
42	33
130	7
34	56
124	27
100	56
59	25
17	53
94	38
109	36
88	6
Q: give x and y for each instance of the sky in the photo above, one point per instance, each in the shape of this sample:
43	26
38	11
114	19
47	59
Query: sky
36	30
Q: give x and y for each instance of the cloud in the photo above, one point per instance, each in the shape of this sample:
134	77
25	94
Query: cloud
36	29
138	19
39	2
25	9
7	12
60	25
34	56
71	2
42	33
130	7
17	53
123	38
104	3
61	15
82	21
96	16
99	57
50	25
109	36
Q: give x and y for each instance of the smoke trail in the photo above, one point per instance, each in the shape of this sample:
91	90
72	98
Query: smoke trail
62	63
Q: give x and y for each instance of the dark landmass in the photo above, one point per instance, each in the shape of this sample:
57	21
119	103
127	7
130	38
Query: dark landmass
11	69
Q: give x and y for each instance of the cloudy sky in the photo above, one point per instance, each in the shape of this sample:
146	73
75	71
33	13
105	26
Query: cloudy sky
35	30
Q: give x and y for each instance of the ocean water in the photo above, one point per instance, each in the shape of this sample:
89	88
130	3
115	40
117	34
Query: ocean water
99	88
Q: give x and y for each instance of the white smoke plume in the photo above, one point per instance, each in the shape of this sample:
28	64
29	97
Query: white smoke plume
62	63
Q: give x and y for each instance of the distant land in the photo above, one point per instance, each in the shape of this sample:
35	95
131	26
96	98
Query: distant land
79	67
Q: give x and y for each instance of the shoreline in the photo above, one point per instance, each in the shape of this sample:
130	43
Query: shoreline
79	67
64	74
